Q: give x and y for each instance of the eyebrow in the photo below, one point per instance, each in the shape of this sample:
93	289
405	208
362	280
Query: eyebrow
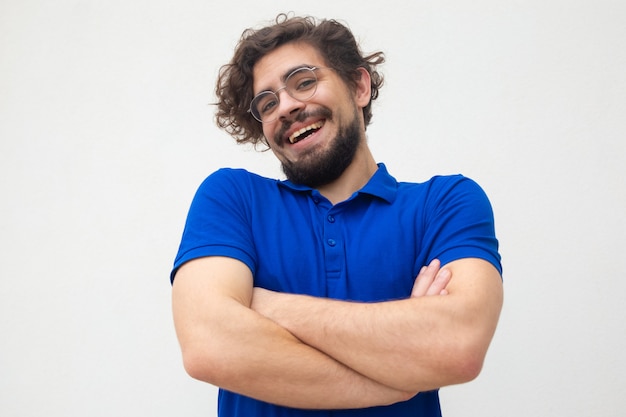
292	69
286	74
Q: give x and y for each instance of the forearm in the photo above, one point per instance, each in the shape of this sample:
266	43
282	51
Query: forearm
257	358
227	344
416	344
369	338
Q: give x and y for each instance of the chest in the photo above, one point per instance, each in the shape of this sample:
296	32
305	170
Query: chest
362	251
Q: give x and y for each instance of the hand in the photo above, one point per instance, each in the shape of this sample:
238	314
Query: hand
431	280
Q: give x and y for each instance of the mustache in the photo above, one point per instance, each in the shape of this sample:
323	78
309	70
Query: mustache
323	112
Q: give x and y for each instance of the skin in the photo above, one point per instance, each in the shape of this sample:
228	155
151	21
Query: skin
332	95
226	343
293	350
416	344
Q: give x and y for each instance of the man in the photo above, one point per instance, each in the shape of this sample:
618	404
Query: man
338	291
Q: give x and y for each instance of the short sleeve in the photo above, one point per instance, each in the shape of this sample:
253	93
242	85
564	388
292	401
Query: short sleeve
460	222
218	222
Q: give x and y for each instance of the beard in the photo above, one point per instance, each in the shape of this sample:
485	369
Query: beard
318	168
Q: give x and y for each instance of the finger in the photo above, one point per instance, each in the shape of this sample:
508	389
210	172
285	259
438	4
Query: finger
439	283
425	278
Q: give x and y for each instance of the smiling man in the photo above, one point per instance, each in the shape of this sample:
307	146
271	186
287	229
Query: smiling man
338	291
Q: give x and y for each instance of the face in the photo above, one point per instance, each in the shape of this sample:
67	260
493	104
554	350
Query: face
317	139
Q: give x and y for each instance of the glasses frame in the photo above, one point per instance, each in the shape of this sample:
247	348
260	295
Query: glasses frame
284	87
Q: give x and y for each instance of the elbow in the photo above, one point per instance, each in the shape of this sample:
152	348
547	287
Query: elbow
468	360
455	365
197	366
202	366
468	351
468	366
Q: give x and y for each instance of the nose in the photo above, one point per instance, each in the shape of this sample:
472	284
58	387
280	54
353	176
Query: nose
287	105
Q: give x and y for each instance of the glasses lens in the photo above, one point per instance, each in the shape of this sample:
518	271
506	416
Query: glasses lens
264	105
301	84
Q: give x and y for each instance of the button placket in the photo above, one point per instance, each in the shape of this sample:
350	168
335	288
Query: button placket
330	230
333	253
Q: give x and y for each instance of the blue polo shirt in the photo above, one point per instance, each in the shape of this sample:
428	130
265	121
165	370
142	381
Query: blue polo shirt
368	248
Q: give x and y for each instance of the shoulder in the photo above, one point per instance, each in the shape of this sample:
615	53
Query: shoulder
231	189
230	181
460	192
457	219
442	187
238	176
446	183
446	199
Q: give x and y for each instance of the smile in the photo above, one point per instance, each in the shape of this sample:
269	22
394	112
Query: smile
305	132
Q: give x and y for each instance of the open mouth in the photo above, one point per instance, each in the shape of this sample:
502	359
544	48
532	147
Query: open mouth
305	132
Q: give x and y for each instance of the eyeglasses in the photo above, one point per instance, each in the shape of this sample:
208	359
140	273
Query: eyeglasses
300	84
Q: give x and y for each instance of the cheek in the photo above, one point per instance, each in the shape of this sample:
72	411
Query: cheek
268	132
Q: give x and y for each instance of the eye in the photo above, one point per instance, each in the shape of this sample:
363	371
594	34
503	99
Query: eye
267	103
304	83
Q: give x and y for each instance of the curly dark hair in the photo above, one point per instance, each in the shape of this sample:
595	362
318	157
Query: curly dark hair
332	39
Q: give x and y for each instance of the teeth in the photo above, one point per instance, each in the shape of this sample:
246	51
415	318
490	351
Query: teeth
295	135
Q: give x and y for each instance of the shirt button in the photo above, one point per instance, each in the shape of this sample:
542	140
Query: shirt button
330	219
331	242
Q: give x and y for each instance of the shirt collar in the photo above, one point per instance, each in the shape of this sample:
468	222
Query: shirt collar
381	185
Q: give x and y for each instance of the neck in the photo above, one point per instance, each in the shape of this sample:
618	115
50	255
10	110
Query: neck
357	174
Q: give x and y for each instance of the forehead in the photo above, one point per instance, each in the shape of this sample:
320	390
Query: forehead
270	71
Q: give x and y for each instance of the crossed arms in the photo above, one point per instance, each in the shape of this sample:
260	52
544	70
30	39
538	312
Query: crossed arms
310	352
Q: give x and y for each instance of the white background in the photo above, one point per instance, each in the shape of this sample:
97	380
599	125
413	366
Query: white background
106	131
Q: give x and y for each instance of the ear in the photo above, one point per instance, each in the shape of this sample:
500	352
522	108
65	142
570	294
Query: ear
363	93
